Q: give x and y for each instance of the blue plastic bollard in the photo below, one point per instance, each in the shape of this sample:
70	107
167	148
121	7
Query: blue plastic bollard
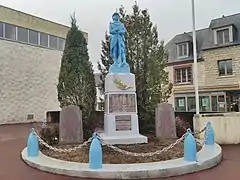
95	153
209	135
32	145
190	147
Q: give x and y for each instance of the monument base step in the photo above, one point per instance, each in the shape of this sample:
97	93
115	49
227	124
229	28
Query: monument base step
132	139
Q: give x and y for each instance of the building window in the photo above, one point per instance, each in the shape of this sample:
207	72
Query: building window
223	36
180	104
43	39
1	29
221	98
225	67
61	44
204	103
183	75
191	102
182	50
207	102
10	31
221	103
30	116
22	34
33	37
218	103
53	42
214	103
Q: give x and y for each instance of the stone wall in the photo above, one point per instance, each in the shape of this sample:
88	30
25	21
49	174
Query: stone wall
28	79
226	126
211	58
208	75
185	88
169	69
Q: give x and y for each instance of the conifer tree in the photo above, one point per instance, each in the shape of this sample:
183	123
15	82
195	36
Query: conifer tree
76	84
106	61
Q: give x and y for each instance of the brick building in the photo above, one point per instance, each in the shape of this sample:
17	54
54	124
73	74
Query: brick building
218	53
30	58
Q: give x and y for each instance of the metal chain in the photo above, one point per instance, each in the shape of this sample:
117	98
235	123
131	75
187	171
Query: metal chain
146	154
199	132
196	133
206	134
41	141
202	142
199	142
156	152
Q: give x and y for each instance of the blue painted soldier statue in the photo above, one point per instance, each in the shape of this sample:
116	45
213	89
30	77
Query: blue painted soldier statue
117	42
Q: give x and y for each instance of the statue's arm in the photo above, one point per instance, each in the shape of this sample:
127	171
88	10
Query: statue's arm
123	30
112	29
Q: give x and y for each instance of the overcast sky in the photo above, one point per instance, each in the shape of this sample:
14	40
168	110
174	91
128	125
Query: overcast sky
170	16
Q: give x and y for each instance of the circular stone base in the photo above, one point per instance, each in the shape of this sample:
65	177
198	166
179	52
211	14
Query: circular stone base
208	157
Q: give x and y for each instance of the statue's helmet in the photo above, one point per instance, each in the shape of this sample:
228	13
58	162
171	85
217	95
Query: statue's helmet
116	14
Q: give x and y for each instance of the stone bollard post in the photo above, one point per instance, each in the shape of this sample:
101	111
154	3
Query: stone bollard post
95	153
32	144
190	147
209	134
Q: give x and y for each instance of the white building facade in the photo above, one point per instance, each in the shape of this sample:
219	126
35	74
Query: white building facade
30	58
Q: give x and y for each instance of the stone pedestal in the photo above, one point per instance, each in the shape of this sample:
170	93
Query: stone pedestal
121	118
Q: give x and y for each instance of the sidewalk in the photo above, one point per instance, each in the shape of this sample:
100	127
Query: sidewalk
13	139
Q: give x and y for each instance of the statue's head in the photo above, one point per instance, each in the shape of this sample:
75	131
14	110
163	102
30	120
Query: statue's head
115	16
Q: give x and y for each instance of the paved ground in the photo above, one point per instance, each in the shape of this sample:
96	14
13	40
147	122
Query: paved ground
13	140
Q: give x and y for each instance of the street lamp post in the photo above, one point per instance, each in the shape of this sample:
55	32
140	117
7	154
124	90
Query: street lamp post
195	72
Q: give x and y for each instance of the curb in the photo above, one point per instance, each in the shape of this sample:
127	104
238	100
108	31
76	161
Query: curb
208	157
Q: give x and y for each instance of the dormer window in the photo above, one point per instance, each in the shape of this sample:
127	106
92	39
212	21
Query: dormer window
223	35
182	50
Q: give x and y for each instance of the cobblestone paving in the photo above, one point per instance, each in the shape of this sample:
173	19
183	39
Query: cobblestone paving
13	139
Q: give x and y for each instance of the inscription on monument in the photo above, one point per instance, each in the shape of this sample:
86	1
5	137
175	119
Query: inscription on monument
123	122
122	103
